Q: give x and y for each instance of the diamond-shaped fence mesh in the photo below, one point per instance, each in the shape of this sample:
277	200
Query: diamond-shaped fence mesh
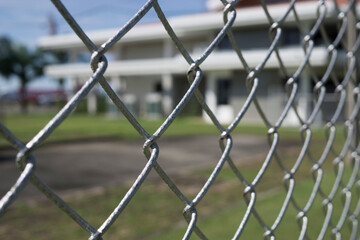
341	44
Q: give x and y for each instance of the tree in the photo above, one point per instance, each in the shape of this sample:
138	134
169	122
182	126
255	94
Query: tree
20	61
58	57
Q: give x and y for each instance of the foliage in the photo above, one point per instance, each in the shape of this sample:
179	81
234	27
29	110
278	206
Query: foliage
18	60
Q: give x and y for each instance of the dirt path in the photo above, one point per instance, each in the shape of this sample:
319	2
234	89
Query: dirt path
83	165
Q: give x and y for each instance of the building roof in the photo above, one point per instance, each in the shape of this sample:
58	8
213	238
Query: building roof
217	61
216	5
187	25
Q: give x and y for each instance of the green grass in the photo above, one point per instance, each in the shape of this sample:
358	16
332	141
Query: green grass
155	212
85	127
223	223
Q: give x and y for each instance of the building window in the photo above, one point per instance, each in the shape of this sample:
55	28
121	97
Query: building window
83	57
247	39
225	43
291	37
331	33
158	87
223	91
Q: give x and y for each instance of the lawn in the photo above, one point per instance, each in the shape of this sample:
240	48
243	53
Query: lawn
155	212
85	127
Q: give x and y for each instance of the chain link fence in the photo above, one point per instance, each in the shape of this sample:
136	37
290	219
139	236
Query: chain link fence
345	43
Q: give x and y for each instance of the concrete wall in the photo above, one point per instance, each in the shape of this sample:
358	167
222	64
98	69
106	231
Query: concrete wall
270	95
141	87
146	50
258	38
158	49
195	45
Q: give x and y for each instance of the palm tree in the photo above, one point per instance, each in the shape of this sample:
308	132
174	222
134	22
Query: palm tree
18	60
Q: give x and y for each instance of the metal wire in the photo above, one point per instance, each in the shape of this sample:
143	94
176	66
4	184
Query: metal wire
347	91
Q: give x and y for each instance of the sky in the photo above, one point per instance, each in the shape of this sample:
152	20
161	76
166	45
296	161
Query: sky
25	21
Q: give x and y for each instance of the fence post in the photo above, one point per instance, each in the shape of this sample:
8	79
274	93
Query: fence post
353	83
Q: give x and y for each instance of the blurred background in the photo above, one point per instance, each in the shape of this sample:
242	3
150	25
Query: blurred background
23	23
95	155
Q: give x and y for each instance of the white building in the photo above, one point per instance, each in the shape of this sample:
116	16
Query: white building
145	67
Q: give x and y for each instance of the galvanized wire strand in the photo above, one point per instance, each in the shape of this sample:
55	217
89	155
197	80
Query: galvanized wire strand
153	137
322	159
20	183
336	49
92	47
65	111
136	125
28	175
126	199
9	197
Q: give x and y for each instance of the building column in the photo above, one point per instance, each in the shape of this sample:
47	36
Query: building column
304	94
210	94
118	84
305	91
168	93
92	102
167	48
74	85
118	52
304	97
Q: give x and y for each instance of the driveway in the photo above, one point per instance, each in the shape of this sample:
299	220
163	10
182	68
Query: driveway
83	165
